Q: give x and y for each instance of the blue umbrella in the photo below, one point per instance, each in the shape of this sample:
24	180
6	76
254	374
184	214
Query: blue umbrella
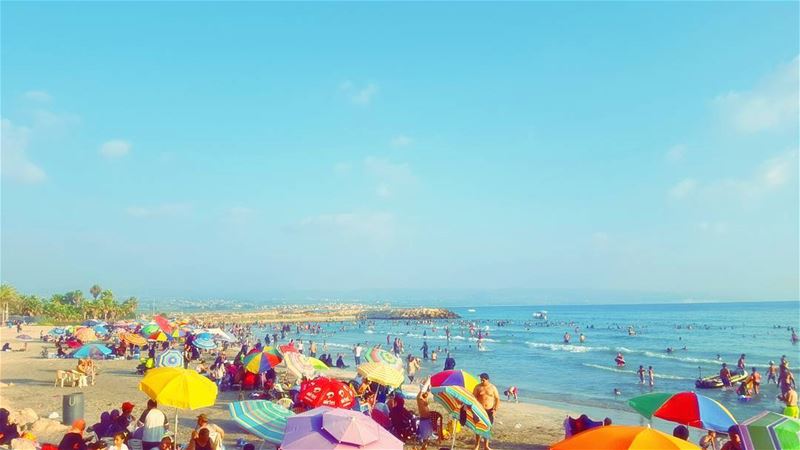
100	329
204	344
57	331
169	358
91	351
263	418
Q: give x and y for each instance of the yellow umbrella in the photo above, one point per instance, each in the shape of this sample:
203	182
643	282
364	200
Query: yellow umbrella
381	374
134	339
317	364
181	388
85	335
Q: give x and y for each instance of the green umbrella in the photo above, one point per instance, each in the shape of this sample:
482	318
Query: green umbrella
770	431
647	404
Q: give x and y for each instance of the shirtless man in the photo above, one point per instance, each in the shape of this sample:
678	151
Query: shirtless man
488	396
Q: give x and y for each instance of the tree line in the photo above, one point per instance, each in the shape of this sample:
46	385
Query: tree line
70	306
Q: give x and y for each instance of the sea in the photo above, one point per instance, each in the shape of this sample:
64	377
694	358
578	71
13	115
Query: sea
519	350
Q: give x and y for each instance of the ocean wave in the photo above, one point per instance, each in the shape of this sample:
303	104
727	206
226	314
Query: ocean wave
633	372
442	337
566	347
679	358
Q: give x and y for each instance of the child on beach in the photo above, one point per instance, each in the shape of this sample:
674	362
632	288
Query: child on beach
510	393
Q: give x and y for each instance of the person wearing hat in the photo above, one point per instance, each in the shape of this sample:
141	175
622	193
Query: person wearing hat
216	433
125	419
488	396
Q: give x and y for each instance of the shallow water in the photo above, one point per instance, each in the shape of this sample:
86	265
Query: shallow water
531	355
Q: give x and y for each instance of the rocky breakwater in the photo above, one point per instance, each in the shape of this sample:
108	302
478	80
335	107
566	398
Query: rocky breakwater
408	314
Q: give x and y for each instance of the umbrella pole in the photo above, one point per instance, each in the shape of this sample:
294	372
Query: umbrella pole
176	426
453	444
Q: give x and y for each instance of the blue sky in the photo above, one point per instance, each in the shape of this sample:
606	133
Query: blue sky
231	150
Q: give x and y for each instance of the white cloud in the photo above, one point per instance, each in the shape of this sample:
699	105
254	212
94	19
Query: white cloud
342	168
379	226
37	96
163	210
360	95
401	140
115	148
771	104
15	163
683	188
676	153
391	176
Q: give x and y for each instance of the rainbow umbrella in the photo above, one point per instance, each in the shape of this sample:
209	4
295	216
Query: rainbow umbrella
623	437
377	355
169	358
688	408
298	364
262	418
454	378
262	361
454	397
770	431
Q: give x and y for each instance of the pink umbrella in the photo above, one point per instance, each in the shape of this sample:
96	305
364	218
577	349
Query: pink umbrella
327	428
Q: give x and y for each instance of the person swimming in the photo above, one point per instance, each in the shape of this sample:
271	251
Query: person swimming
620	360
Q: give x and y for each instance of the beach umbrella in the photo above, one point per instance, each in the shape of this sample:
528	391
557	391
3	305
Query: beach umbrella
73	343
85	335
220	334
454	378
57	331
770	431
382	374
24	338
298	364
133	339
287	348
100	329
262	418
454	398
377	355
92	351
258	362
160	336
687	408
336	429
149	329
323	391
169	358
623	437
179	388
317	364
163	324
204	343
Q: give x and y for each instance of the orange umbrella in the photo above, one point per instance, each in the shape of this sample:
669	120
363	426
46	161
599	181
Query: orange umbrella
623	437
134	339
85	335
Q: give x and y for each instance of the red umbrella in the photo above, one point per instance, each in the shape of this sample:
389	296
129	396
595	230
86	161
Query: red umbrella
287	348
163	323
324	391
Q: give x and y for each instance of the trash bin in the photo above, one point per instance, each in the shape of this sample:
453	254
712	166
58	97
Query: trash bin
72	408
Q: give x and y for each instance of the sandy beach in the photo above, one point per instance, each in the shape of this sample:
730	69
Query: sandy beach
26	381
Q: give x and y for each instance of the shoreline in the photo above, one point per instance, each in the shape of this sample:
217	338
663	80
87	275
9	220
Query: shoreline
26	381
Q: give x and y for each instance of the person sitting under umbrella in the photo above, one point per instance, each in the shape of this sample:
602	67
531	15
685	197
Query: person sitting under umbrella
201	440
404	424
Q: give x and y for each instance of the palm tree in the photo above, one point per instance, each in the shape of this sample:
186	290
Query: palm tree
129	307
95	290
107	304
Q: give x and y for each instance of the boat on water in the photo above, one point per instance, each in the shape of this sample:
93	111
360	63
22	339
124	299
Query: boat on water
715	382
542	315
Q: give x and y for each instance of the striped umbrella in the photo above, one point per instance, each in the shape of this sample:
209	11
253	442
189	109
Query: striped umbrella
770	431
262	418
133	339
262	361
688	408
85	335
381	374
454	397
204	344
169	358
454	378
298	364
377	355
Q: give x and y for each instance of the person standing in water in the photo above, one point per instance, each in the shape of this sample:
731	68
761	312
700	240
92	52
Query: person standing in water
651	374
772	373
641	374
741	365
567	337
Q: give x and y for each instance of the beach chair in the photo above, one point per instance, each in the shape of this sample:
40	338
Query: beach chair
62	377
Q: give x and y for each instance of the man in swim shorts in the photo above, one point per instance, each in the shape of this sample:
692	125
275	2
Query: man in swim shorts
487	395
